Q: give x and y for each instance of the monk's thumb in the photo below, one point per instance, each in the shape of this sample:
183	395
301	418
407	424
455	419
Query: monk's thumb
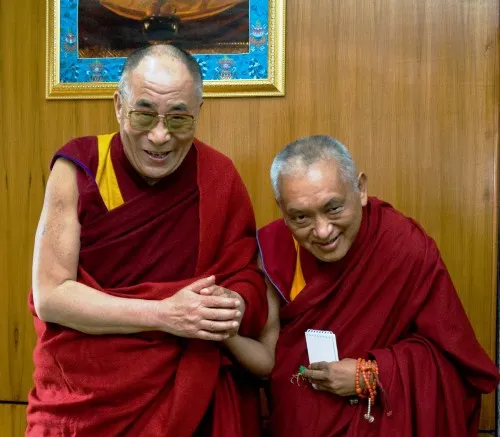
202	283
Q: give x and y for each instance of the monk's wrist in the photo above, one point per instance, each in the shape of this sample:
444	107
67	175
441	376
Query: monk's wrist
155	314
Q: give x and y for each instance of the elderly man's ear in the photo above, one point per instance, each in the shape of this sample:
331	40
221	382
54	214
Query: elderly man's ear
117	101
362	186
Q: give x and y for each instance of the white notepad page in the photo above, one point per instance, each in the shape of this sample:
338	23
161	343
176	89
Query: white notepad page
321	346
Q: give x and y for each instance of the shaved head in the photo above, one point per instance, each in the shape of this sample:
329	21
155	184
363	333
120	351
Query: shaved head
161	52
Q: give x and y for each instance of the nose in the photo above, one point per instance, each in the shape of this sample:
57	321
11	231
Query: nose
322	228
159	134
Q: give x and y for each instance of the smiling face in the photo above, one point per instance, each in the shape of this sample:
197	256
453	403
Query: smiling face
321	210
163	85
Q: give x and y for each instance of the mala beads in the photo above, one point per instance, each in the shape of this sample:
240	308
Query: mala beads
368	370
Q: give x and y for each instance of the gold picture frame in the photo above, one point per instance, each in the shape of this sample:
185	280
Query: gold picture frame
262	70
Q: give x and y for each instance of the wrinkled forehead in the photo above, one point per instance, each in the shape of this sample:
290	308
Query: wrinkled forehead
163	90
313	188
156	73
161	65
322	175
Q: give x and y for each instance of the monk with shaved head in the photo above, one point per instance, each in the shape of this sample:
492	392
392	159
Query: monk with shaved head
144	272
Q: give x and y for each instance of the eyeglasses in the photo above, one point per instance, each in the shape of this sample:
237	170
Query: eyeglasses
146	120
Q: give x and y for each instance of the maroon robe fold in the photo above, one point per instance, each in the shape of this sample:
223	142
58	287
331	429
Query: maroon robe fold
390	298
153	384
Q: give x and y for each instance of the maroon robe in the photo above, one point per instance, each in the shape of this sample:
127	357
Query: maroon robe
390	298
152	383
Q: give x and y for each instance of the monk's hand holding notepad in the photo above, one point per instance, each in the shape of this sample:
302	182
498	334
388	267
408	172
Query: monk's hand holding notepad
326	372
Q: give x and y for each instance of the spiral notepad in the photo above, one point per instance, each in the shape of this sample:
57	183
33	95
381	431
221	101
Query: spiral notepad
321	346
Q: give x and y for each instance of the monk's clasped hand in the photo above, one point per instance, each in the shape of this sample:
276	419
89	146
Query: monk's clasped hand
216	290
210	316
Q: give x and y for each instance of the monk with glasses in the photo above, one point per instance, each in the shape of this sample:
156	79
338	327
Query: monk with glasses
144	267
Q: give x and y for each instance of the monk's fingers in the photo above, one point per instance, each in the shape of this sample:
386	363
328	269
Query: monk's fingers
208	291
198	285
342	391
220	314
220	302
319	386
332	387
212	336
315	375
215	290
322	365
217	326
221	291
323	387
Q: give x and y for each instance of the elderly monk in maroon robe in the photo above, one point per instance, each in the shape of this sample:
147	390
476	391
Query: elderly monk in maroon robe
144	266
410	364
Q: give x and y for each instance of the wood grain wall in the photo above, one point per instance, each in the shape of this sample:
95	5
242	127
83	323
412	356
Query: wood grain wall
411	86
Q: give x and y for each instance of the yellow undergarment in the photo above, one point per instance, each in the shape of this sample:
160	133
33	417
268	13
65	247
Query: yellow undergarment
298	278
106	177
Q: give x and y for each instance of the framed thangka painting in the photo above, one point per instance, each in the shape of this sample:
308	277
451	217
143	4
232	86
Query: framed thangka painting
239	44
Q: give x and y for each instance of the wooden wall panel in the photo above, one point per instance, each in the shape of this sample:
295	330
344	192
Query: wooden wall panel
12	420
411	86
21	184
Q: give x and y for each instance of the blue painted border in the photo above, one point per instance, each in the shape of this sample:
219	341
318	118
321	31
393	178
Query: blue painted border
245	66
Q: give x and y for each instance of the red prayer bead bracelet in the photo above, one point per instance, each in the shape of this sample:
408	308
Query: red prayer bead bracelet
368	370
